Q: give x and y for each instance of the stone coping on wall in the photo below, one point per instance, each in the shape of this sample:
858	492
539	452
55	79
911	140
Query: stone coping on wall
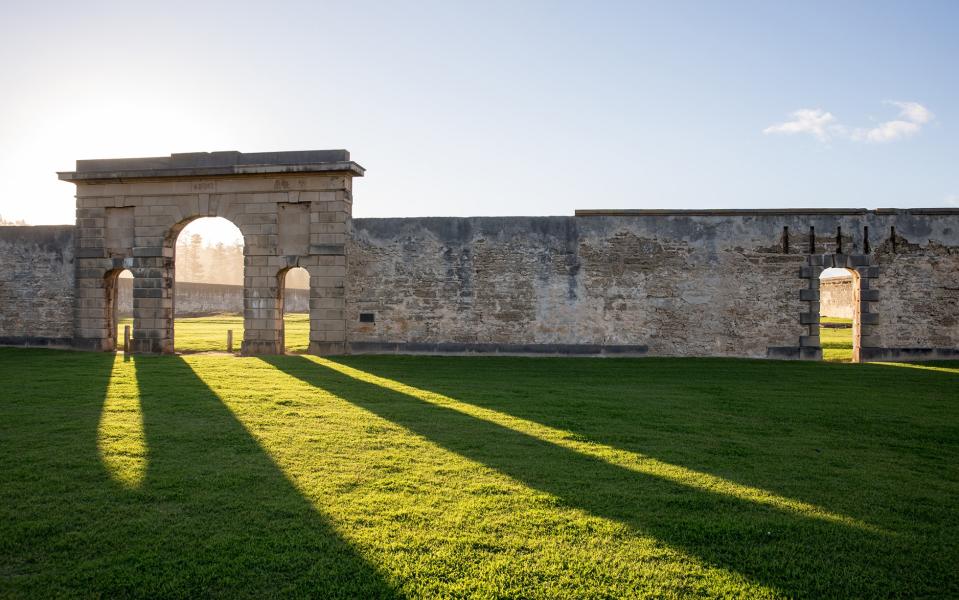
205	164
745	212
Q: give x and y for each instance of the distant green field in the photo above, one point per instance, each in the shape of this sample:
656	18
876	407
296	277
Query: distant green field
836	342
209	475
208	334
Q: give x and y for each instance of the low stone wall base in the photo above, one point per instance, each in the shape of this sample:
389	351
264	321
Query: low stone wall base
794	353
37	342
909	354
504	349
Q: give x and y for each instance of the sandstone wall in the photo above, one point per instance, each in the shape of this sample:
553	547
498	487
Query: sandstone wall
664	286
836	297
36	285
209	299
919	279
720	283
723	283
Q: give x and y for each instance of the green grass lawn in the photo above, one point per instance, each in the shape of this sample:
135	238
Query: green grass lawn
836	341
208	334
362	477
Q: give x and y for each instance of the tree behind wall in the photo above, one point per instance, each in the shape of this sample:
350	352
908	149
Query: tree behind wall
4	221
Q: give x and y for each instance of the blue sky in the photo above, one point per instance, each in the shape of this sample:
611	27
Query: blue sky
495	108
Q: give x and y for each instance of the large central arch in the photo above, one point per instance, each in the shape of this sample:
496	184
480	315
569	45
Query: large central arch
293	209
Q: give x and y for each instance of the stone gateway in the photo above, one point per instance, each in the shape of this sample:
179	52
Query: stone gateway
646	282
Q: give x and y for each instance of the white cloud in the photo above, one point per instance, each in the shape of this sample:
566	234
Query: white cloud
823	125
912	116
886	132
914	112
814	121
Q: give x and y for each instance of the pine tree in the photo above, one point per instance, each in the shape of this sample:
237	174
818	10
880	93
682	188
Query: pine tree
196	264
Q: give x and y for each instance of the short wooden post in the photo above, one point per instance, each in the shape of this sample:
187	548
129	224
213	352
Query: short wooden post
126	339
229	340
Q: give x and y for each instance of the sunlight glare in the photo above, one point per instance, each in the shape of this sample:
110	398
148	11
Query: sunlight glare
120	437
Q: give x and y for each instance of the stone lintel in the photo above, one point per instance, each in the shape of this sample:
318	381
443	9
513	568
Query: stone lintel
206	164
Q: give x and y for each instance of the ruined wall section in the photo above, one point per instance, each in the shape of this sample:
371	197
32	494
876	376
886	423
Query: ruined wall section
919	285
693	285
623	285
438	284
36	285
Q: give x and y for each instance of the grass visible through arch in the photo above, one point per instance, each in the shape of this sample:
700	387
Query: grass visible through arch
208	334
836	341
456	476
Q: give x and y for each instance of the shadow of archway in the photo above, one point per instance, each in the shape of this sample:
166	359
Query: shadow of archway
792	553
213	515
766	424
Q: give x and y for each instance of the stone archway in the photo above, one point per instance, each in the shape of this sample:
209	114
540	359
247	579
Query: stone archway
293	209
865	273
111	283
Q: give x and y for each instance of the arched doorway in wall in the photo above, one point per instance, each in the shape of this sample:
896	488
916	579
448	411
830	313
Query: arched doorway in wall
840	321
294	307
119	292
208	286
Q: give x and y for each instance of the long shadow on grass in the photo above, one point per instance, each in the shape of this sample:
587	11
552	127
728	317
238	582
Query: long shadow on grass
52	483
784	427
798	555
214	515
223	518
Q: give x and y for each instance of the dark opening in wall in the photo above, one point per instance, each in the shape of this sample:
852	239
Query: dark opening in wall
367	318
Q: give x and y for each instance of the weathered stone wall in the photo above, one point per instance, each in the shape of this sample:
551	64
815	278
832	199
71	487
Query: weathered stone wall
36	285
677	283
194	299
919	279
721	283
665	286
836	297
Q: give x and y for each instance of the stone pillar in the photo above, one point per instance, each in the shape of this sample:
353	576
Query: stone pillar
866	298
329	228
153	275
262	309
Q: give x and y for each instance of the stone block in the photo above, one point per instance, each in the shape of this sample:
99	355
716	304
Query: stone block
148	251
328	249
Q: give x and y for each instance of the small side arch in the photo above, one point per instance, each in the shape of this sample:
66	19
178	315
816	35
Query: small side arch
111	288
